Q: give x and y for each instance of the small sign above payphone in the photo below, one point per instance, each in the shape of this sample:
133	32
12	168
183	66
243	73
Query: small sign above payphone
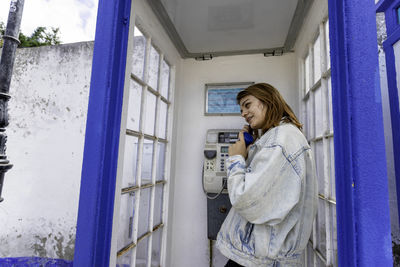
221	98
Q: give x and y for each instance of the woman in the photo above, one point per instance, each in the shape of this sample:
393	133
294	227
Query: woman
271	185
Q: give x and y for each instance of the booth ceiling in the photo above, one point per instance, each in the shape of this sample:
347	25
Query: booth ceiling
231	27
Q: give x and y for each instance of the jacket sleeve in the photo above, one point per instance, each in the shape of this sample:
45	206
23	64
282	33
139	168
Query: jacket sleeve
268	191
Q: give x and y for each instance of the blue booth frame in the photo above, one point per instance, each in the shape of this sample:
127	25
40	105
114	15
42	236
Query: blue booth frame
360	164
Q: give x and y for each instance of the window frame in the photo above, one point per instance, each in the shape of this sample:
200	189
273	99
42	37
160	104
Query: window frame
308	93
141	135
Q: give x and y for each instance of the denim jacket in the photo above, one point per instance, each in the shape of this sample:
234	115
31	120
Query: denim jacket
274	197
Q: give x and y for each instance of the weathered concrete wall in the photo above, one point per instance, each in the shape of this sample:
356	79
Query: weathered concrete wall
47	110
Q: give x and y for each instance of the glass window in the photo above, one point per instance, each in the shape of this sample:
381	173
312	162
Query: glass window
142	253
156	248
153	67
322	250
317	59
319	164
160	162
144	131
130	161
125	225
310	116
332	169
144	211
330	105
150	113
307	74
165	72
327	45
319	127
321	228
162	125
334	234
147	161
125	260
158	204
134	104
139	52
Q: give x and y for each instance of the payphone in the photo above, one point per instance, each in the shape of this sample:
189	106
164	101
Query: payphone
214	177
215	154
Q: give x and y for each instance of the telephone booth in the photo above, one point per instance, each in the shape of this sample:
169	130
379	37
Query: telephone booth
141	198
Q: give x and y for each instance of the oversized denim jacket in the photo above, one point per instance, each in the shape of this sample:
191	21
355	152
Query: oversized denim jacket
273	195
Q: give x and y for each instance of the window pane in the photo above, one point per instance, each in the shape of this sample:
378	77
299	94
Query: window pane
150	114
124	260
310	116
135	100
130	161
162	133
307	74
321	230
317	59
158	204
330	105
327	45
125	224
141	253
319	162
153	67
160	162
332	174
156	248
334	233
165	72
144	211
147	161
139	52
319	127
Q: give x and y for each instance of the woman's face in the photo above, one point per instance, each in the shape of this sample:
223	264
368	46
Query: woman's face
253	110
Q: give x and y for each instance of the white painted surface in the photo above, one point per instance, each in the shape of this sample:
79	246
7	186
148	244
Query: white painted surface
317	13
47	110
219	25
189	243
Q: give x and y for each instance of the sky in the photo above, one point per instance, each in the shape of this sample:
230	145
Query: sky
76	19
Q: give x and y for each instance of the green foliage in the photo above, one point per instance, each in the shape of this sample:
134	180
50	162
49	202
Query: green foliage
2	30
41	36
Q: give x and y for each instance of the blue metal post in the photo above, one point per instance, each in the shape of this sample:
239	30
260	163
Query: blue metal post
364	236
96	200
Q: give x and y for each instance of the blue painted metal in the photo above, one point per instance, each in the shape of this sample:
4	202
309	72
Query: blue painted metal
393	31
34	262
361	178
96	203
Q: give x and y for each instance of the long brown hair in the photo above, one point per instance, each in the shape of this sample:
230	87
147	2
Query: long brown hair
277	108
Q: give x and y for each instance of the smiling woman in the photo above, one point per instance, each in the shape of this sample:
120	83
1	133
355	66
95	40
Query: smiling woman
271	185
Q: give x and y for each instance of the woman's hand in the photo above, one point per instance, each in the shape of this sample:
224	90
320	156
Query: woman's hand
238	148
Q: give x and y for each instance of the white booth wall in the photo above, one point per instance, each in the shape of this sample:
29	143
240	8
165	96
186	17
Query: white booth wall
189	245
